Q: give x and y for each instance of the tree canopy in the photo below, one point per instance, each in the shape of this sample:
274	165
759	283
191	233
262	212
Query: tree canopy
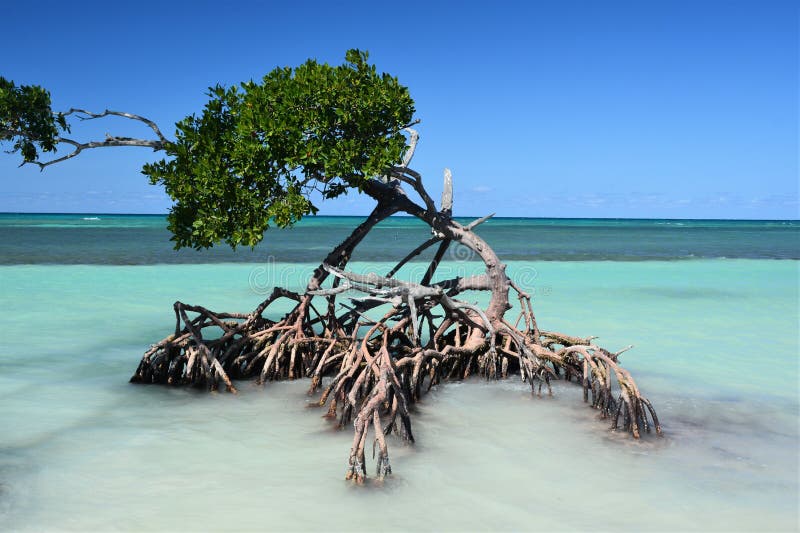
27	120
257	150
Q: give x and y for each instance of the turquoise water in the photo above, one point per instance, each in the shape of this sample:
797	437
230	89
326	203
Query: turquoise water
143	239
716	351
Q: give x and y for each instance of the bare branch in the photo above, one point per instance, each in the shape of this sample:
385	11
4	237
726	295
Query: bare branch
330	292
478	222
413	178
480	282
378	285
107	112
373	285
413	137
415	252
110	141
517	288
447	193
437	258
552	337
620	352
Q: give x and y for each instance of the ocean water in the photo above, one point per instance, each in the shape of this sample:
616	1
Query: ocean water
712	308
143	239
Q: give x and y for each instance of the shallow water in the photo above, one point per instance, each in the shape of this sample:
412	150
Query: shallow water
716	352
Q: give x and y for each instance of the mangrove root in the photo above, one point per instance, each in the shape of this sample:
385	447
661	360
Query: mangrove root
371	357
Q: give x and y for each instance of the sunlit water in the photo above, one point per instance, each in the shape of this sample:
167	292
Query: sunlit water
716	352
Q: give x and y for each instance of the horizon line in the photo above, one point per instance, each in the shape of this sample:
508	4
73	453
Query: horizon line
411	216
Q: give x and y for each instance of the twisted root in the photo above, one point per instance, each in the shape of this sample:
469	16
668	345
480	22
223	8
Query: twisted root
372	379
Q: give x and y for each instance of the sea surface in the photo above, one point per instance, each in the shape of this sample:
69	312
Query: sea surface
711	307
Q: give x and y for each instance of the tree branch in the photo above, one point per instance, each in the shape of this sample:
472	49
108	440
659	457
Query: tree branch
447	193
107	112
110	141
413	137
413	178
475	223
454	286
415	252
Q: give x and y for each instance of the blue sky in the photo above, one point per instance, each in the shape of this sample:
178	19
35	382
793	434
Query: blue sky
670	109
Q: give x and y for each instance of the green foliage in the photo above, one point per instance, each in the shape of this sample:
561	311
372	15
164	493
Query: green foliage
257	151
251	158
27	120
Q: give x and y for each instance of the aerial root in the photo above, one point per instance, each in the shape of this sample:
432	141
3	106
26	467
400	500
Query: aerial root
370	371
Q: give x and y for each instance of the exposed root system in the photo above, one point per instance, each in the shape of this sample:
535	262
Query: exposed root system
368	359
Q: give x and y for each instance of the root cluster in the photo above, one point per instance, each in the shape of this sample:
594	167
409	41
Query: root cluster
368	368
